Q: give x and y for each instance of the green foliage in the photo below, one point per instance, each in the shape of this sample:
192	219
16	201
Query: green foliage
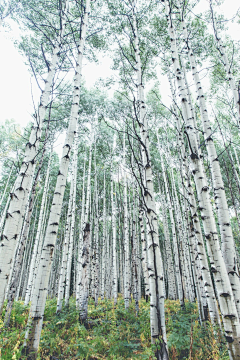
187	339
112	333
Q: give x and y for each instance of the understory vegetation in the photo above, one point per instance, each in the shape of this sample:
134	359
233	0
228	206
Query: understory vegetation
112	333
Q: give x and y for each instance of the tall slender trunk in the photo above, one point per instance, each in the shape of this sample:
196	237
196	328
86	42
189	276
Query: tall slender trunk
6	186
172	295
227	65
126	237
114	245
96	236
227	240
19	196
135	256
37	239
156	279
80	245
72	226
174	236
40	292
85	271
218	267
62	278
144	253
103	267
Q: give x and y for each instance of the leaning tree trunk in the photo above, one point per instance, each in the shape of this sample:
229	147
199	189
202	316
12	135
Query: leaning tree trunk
37	238
19	197
19	255
5	189
41	285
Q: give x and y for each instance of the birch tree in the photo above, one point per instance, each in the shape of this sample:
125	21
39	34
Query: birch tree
40	290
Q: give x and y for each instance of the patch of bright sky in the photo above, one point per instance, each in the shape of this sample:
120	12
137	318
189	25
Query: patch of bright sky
17	90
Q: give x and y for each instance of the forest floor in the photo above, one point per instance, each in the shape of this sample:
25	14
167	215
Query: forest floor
113	333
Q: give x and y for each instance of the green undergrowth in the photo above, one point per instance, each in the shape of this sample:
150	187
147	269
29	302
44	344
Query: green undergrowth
112	333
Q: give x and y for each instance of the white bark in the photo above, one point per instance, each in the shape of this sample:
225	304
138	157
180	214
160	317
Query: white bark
156	279
114	244
18	200
40	291
228	246
227	65
222	283
5	189
96	237
205	271
62	278
85	271
72	226
37	238
174	236
172	295
127	282
79	261
144	253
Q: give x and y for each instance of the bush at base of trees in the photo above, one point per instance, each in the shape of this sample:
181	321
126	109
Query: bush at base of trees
112	333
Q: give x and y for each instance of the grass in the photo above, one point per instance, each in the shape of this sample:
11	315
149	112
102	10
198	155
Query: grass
113	333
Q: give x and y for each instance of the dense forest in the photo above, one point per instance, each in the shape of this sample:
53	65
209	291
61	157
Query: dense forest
127	245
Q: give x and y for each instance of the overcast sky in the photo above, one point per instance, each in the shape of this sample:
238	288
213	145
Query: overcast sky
15	90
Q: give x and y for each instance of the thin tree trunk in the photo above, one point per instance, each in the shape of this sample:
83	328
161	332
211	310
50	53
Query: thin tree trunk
85	271
72	226
40	292
227	240
222	283
19	197
156	279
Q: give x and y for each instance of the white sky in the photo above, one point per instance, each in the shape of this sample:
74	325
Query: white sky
15	90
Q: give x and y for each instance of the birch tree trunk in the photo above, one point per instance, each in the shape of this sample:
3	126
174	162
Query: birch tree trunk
172	295
144	253
96	234
5	189
79	262
156	279
222	283
85	271
62	278
227	65
103	267
37	239
19	198
72	227
227	240
114	245
126	236
174	236
199	242
40	291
